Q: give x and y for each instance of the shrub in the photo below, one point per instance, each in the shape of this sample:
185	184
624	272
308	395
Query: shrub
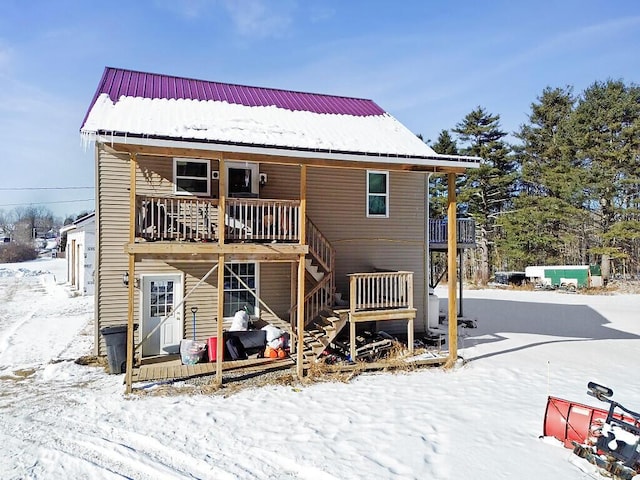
16	252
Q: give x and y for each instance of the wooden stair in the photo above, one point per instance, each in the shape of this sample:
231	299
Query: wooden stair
320	333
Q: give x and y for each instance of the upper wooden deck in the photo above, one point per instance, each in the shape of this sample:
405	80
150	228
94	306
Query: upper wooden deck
276	223
466	233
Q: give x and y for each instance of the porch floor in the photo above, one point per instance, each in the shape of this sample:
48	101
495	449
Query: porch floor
170	367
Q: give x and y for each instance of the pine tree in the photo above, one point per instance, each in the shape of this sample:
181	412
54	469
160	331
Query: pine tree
487	191
606	127
445	145
546	224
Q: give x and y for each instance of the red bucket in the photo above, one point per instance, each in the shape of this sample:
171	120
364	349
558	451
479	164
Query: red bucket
212	348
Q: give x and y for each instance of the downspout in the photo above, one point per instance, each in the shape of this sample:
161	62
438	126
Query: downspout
427	255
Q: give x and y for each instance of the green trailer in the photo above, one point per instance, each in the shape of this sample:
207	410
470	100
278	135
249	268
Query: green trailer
570	277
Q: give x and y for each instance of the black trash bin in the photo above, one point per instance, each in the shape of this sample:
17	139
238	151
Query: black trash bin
115	339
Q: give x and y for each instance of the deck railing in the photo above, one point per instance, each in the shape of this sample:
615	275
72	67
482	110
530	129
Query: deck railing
177	218
465	228
260	220
380	291
320	247
196	219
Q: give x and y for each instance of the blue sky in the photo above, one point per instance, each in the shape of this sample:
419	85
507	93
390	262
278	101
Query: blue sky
427	62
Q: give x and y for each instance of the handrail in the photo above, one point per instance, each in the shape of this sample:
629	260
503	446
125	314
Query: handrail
380	290
260	219
319	246
196	219
465	227
176	218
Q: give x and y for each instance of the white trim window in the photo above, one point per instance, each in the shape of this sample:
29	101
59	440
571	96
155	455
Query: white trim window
377	194
236	295
192	177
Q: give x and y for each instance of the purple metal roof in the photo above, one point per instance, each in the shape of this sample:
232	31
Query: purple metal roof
117	82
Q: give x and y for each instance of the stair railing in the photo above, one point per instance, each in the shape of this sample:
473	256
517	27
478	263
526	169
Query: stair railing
321	296
319	246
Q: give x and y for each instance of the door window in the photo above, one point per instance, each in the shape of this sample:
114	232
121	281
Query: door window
161	298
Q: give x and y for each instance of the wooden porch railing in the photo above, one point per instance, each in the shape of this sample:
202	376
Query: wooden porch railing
260	220
317	300
380	291
319	246
196	219
178	218
380	296
465	228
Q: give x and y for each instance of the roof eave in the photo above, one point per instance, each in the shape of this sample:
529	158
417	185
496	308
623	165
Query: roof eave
443	161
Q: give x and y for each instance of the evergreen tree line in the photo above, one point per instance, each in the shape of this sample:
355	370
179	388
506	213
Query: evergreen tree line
566	192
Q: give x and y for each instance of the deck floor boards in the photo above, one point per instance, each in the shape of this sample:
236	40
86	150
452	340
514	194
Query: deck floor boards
173	369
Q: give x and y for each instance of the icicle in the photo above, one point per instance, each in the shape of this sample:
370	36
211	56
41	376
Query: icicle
87	138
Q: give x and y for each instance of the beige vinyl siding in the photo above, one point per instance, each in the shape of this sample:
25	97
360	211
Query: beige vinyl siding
204	297
275	289
113	233
283	181
336	203
153	177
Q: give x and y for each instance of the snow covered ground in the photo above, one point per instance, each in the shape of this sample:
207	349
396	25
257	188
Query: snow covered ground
479	421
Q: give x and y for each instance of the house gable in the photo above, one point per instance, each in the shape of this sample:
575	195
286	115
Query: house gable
138	108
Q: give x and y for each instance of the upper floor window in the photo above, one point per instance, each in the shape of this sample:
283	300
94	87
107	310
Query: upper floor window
191	176
377	193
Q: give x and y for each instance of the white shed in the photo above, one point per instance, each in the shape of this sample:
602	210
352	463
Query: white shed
80	253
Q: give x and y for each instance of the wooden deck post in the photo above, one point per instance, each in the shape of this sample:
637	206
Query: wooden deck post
301	272
222	195
131	271
294	301
352	321
452	249
220	331
410	321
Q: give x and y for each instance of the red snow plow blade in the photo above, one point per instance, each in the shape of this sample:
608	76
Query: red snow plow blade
608	439
572	421
569	421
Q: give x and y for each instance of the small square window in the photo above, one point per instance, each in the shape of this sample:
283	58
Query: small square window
191	176
377	194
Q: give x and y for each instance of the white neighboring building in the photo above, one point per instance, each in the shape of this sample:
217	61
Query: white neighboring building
80	253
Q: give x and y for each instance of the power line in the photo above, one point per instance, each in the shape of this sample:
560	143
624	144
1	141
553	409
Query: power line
46	188
46	203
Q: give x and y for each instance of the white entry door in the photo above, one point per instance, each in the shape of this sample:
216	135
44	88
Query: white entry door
160	295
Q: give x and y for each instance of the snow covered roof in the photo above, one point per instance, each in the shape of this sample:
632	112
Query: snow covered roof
141	106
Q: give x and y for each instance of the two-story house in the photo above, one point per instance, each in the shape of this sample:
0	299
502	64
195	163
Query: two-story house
228	197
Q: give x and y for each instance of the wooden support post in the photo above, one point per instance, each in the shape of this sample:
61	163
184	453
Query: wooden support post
410	304
294	301
131	271
222	226
220	331
301	272
300	325
222	195
460	277
352	322
452	249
